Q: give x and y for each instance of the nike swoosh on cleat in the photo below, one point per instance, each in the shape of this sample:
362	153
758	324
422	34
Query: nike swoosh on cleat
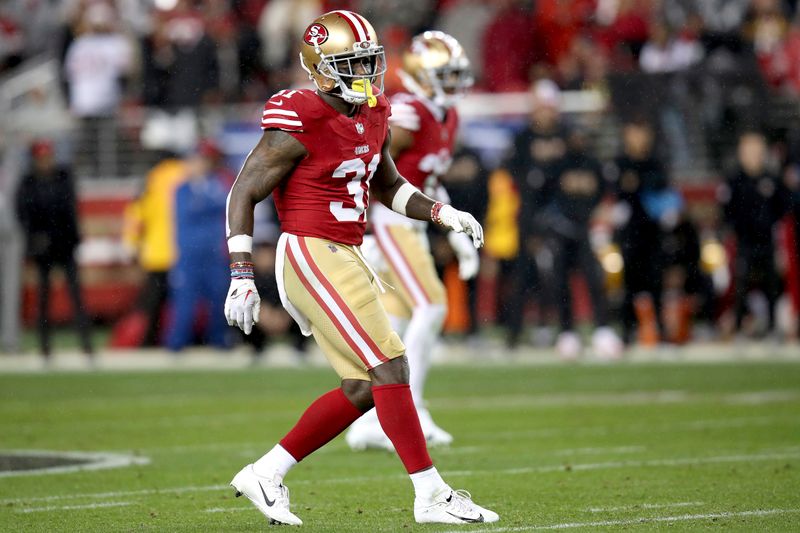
469	520
271	503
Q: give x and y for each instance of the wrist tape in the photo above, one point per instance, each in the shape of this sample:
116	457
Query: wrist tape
240	243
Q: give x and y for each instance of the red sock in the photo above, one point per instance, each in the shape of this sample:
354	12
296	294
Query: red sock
329	415
399	420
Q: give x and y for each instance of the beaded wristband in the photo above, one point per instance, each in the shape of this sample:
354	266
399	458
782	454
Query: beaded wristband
435	212
242	270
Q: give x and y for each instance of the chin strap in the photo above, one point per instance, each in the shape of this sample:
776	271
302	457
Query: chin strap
365	87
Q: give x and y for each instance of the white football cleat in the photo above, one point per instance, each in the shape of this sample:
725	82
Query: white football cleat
568	345
452	507
366	433
270	496
606	344
434	435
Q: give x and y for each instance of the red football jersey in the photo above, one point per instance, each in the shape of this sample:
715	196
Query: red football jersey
327	194
434	130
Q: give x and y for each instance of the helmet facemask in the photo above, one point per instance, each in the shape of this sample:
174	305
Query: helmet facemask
356	77
449	83
436	68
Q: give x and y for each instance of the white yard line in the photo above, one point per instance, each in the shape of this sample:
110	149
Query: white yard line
115	494
566	399
459	450
685	461
761	397
656	397
692	425
73	507
601	450
637	506
171	421
210	446
634	521
727	423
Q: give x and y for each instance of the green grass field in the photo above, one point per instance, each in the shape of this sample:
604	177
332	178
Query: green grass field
678	447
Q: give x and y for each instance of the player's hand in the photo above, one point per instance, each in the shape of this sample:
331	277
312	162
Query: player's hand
243	305
461	222
469	261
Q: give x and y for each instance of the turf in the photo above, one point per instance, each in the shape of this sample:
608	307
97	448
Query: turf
678	447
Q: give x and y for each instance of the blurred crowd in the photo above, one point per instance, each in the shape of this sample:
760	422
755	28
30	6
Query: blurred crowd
183	53
571	236
624	225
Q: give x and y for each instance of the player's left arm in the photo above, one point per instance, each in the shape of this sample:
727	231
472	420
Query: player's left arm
394	191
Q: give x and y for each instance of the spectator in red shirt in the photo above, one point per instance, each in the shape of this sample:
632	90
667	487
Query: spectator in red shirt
557	24
627	33
508	47
774	42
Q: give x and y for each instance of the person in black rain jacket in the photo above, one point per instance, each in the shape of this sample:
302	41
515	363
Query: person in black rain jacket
637	173
46	207
575	189
754	199
535	150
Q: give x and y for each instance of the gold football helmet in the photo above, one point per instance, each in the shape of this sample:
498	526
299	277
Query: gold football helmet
435	67
341	54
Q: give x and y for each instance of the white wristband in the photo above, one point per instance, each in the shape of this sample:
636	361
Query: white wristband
240	243
402	196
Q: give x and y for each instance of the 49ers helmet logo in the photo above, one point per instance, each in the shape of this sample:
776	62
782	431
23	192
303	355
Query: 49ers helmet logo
316	34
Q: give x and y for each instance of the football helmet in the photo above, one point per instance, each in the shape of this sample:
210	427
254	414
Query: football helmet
342	56
435	67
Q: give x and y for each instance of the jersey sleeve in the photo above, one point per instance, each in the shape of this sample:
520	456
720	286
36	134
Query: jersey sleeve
281	113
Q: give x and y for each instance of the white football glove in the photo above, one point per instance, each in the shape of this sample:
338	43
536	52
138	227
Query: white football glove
469	261
461	222
243	304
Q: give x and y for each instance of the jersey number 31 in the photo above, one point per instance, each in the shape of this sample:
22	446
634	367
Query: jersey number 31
359	174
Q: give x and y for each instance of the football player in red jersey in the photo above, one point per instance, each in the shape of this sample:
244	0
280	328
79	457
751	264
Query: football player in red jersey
424	124
322	154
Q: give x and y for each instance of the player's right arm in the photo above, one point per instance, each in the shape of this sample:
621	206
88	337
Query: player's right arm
272	160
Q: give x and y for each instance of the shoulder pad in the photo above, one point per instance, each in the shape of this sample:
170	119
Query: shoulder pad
281	112
404	115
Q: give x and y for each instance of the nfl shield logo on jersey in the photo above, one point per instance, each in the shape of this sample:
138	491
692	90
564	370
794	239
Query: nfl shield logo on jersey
360	128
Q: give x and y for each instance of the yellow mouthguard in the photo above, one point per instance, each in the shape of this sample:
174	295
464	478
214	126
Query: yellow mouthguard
365	86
